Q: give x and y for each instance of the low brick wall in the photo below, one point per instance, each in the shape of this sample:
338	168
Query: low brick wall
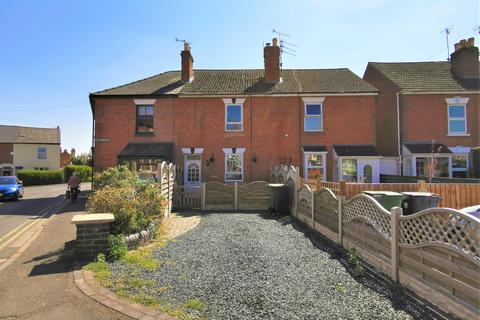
92	234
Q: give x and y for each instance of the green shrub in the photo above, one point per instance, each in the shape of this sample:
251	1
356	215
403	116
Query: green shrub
134	203
40	177
84	172
117	248
120	176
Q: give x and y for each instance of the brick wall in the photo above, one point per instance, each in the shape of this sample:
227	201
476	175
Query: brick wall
91	239
386	111
272	129
425	117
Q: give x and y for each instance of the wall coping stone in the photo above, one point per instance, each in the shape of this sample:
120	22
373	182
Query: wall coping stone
93	218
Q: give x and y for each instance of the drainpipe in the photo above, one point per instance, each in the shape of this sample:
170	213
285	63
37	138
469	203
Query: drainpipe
399	143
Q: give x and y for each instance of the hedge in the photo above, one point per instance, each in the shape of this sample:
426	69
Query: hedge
84	172
40	177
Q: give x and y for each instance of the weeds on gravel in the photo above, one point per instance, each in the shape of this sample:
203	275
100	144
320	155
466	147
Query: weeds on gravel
194	304
142	258
100	270
354	260
341	287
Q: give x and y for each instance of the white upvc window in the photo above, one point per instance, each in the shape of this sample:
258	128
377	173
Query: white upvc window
315	165
233	114
234	164
457	116
313	114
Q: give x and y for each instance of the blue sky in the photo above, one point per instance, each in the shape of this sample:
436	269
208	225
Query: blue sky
54	53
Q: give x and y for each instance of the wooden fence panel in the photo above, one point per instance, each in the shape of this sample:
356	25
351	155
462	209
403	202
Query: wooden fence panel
305	204
455	195
254	196
367	227
186	199
353	189
326	213
439	258
219	196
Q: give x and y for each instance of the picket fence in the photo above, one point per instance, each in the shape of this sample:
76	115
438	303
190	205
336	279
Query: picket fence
166	180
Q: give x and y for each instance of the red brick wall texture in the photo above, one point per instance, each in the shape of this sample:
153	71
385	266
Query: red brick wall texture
272	129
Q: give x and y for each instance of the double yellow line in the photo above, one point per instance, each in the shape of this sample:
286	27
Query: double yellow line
21	229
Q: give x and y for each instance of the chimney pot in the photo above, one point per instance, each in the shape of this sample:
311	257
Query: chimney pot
274	42
464	61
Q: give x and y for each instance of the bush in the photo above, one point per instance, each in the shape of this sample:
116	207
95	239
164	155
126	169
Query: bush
40	177
120	176
134	203
84	172
117	248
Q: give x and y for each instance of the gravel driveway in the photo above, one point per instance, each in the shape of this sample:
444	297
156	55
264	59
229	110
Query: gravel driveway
247	266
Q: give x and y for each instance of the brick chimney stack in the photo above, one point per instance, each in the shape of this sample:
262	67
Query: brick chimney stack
464	61
271	56
187	63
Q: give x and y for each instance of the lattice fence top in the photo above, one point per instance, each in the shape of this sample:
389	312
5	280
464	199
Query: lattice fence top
305	193
326	199
368	209
218	187
443	227
256	186
291	174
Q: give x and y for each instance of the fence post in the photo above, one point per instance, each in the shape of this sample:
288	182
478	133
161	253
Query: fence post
235	197
313	211
343	188
203	195
341	200
422	185
395	213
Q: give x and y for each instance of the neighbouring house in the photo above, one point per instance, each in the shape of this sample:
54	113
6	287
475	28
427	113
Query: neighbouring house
28	148
428	110
66	157
234	125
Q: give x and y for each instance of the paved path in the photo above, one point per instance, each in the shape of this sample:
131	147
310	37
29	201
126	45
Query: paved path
39	284
37	200
179	223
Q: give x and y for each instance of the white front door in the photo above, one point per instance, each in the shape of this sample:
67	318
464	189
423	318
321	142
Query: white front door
192	173
368	170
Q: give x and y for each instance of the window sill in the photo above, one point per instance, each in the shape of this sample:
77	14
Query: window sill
312	130
137	134
458	135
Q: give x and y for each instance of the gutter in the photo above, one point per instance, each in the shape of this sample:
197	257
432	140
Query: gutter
399	142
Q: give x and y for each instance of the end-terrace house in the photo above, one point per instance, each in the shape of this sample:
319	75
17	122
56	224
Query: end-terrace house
28	148
428	108
234	125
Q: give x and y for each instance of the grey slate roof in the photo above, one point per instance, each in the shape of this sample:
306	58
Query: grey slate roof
246	81
163	150
358	150
17	134
424	76
315	148
426	147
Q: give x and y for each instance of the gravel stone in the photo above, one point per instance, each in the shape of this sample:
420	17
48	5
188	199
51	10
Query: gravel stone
251	266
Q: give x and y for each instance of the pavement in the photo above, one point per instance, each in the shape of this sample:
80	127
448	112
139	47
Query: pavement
38	283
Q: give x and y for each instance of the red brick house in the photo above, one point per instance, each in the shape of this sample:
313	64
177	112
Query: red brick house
233	125
419	102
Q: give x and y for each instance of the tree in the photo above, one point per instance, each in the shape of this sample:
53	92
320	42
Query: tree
83	159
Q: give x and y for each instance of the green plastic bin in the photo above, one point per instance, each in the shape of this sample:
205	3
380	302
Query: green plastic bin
388	199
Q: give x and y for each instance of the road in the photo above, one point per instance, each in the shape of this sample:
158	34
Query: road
39	285
37	201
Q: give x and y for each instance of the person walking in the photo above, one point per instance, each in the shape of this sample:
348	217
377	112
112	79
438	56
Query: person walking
74	183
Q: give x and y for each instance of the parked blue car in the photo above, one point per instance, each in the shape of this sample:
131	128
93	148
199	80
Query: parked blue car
10	188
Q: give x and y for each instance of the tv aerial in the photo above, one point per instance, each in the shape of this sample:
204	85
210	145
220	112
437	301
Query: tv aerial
184	41
285	47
